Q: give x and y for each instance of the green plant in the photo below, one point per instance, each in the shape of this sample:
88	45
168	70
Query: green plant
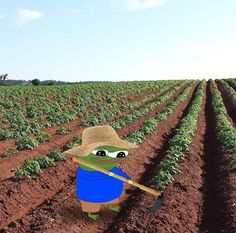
56	155
26	143
232	161
61	131
9	152
29	167
163	179
150	124
43	137
179	144
5	134
45	161
225	130
75	141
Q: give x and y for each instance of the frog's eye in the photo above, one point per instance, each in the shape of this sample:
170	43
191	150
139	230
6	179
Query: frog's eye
100	152
122	154
118	154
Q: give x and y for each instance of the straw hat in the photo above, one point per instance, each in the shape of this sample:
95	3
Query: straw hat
93	137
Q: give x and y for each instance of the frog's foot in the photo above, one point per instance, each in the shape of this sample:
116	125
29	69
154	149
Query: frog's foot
115	208
93	216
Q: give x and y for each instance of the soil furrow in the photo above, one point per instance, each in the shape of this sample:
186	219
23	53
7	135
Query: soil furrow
62	213
37	190
219	183
58	141
228	102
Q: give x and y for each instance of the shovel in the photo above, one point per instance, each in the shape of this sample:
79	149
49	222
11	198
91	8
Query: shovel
157	203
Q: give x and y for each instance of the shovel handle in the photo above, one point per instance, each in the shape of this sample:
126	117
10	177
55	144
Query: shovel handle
142	187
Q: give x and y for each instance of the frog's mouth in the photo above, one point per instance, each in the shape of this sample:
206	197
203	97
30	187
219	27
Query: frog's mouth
105	161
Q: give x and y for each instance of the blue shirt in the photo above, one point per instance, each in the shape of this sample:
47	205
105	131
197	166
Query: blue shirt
95	186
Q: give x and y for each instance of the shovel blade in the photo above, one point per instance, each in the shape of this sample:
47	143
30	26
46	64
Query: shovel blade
157	204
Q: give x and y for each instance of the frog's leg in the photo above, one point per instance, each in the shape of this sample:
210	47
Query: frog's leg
91	209
93	216
115	208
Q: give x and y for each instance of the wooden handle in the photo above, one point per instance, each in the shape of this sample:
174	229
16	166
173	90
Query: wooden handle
144	188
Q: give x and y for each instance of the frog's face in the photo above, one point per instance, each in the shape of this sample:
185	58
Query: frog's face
106	157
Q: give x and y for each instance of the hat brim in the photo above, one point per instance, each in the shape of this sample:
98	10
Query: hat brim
85	150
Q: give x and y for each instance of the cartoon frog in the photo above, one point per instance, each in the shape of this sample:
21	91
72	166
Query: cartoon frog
102	147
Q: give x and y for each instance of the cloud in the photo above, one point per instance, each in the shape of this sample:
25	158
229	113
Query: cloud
144	4
27	16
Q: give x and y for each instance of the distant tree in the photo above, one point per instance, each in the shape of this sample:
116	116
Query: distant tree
35	82
3	77
52	82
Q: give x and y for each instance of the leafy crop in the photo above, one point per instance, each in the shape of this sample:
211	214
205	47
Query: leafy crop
180	142
9	152
231	92
24	111
74	142
61	131
44	161
26	143
34	166
150	124
56	155
29	167
225	130
43	137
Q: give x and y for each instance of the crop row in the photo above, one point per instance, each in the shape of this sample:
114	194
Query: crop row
225	130
130	117
98	118
23	170
231	81
149	125
35	165
231	92
29	142
37	101
179	143
21	126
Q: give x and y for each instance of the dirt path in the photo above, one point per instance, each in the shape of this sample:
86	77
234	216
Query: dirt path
62	212
58	141
229	103
219	209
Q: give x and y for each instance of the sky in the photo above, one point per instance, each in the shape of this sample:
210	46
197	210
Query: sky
117	40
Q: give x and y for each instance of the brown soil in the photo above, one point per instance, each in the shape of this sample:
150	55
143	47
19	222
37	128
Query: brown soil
229	103
58	141
61	212
219	209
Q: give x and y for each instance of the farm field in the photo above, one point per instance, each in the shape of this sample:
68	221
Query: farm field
186	134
